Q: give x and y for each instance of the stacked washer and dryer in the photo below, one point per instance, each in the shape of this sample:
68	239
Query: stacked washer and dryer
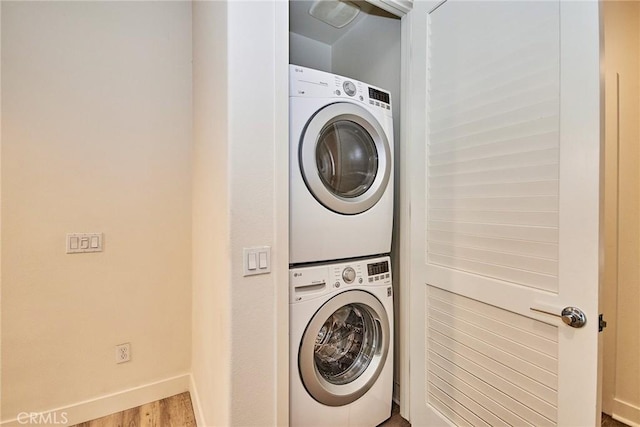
341	219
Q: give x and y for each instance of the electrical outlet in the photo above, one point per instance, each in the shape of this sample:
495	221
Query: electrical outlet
123	353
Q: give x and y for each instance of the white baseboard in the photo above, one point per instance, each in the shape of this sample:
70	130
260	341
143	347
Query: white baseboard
105	405
626	412
195	402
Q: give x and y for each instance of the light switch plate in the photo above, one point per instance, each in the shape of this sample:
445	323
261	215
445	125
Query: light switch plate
256	260
84	242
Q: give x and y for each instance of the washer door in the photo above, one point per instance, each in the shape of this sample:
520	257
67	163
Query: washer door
344	348
345	158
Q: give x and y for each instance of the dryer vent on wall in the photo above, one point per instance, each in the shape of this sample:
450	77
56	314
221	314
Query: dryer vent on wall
335	13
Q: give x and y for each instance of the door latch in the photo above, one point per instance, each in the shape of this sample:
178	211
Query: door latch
601	323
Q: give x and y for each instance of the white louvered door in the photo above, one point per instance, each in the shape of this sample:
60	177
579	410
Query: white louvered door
505	178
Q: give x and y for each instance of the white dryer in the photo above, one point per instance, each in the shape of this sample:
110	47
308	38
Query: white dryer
341	167
341	329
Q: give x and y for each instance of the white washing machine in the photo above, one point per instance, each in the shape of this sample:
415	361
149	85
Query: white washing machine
341	167
341	329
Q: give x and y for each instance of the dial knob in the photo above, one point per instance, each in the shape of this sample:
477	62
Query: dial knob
349	275
349	88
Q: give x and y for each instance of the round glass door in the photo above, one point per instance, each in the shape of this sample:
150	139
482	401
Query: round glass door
346	344
344	348
345	158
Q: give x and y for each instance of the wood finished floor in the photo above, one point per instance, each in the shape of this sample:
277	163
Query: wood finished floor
177	411
396	420
174	411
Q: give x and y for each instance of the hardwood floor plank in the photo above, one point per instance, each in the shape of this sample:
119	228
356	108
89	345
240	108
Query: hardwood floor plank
174	411
177	411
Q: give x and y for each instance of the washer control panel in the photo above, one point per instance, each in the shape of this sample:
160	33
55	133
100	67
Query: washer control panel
317	280
362	272
378	271
306	82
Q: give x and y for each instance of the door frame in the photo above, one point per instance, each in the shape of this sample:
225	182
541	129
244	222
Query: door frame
411	158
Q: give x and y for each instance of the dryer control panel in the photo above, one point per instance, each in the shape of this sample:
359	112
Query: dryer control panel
318	280
307	82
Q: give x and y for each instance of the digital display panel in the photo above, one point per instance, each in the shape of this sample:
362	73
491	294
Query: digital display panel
378	268
378	95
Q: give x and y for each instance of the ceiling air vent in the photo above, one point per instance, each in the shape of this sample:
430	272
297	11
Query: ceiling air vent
333	12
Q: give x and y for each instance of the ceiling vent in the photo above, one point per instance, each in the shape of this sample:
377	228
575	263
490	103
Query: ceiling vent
333	12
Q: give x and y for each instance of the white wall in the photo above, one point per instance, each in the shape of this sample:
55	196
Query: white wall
211	334
370	52
621	295
96	137
258	170
309	53
99	128
240	341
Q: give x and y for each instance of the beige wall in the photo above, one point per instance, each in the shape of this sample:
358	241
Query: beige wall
258	162
98	131
211	347
240	340
621	296
96	137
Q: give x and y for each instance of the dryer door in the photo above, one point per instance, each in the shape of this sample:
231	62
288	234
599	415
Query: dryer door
345	158
344	348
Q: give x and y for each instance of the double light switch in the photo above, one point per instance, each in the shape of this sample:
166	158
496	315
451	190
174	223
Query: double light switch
257	260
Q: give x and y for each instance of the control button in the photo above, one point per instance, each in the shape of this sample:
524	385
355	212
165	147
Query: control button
361	98
388	107
360	280
377	104
377	278
371	102
336	285
370	279
386	275
337	92
349	274
349	88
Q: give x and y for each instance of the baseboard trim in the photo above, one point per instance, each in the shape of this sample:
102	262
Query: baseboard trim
626	412
110	403
195	402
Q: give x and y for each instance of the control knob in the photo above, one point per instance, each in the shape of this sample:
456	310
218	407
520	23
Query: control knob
349	275
349	88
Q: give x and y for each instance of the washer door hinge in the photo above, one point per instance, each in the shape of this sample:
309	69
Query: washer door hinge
601	323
